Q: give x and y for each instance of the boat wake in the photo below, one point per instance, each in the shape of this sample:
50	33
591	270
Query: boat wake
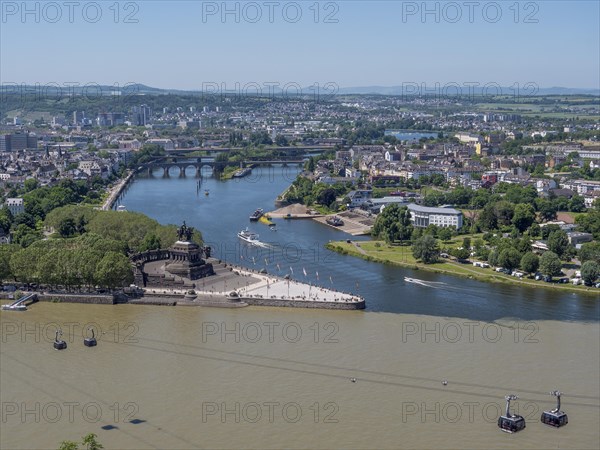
431	284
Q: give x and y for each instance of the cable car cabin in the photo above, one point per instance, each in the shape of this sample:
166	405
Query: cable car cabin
554	419
511	424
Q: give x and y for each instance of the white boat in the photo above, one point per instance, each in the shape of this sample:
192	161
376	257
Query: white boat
121	208
247	236
14	307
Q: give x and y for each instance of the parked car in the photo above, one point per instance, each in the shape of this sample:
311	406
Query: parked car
563	280
547	278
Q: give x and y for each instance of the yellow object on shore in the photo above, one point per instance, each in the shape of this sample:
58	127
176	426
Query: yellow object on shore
266	220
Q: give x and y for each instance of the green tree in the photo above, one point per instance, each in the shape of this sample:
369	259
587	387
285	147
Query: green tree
426	249
590	222
150	242
504	212
326	197
577	204
493	257
90	442
487	219
524	216
114	270
546	209
590	251
530	262
6	251
558	242
467	243
590	271
460	253
445	234
67	227
550	264
509	258
393	224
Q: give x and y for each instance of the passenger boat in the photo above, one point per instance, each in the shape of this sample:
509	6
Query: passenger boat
334	221
256	215
247	236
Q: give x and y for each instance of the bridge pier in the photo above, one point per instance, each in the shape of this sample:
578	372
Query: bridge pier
165	172
182	171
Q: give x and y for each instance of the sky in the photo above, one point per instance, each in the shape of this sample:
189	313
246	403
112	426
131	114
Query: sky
196	44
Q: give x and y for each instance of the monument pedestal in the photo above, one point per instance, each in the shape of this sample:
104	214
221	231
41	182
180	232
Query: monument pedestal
186	261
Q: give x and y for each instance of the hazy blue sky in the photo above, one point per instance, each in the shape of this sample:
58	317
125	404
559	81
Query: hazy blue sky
181	44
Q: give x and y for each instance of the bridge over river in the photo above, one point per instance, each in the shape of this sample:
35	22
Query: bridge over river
167	164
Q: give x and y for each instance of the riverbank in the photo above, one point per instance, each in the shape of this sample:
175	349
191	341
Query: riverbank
115	191
378	251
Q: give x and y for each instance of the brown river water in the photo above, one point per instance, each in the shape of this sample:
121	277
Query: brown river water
192	377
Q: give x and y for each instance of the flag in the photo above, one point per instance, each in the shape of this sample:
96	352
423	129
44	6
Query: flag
330	279
278	268
317	273
304	271
266	261
291	270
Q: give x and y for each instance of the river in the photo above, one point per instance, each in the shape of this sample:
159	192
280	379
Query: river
164	377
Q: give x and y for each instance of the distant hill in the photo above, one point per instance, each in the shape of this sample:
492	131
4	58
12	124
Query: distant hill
399	90
142	89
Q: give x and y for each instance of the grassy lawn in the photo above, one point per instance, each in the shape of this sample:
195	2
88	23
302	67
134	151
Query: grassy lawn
379	251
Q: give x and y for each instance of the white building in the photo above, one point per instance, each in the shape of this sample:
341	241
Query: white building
166	144
423	216
15	205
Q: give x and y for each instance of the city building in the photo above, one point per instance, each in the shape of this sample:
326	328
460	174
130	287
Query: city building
140	115
423	216
15	205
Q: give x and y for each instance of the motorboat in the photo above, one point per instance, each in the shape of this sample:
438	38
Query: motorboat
256	215
248	236
334	221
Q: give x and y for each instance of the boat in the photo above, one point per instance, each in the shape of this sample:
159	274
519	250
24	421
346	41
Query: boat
256	215
206	192
121	208
334	221
247	236
242	172
20	307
